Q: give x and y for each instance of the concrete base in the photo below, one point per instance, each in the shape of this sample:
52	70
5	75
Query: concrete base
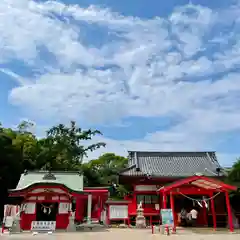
16	226
71	226
140	222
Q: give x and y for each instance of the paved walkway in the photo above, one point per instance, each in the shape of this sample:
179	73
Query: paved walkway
124	234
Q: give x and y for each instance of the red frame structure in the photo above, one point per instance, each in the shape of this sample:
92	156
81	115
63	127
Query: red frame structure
199	185
99	197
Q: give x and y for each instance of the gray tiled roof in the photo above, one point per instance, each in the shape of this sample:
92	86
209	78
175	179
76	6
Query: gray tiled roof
171	164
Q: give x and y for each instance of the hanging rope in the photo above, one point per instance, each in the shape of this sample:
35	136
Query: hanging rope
46	209
199	200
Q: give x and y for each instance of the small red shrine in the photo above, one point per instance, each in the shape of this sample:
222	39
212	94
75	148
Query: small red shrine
175	180
52	196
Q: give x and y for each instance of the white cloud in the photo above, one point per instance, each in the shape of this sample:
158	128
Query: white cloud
154	64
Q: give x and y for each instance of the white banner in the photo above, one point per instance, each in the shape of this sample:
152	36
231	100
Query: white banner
151	188
63	208
8	221
103	216
10	212
118	211
43	226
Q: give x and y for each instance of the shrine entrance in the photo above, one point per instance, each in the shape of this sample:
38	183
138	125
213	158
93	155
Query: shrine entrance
46	211
206	188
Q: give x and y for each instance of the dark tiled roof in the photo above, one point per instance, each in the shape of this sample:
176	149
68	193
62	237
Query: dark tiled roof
171	164
132	172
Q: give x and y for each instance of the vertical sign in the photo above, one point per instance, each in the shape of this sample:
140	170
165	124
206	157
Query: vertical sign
167	217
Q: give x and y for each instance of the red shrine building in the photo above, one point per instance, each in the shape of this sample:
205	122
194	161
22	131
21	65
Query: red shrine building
178	180
52	196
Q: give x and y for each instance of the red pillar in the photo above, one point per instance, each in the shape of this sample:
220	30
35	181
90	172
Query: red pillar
229	210
164	200
79	209
205	218
172	207
108	215
99	207
213	213
164	207
160	207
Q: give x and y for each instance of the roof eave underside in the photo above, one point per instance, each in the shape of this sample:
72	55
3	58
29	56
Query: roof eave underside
202	182
132	172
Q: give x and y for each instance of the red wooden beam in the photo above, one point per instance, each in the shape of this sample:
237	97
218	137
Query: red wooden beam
191	192
49	200
96	191
44	194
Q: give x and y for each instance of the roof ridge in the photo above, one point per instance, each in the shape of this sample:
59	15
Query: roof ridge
173	151
54	172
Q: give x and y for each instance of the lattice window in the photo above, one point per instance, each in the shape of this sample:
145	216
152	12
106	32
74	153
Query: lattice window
155	199
140	198
148	199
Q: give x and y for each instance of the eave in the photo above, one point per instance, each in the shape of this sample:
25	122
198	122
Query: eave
22	191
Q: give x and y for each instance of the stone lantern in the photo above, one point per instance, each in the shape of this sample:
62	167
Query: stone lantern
140	219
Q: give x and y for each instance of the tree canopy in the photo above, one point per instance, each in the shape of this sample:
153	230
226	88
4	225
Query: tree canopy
104	171
234	173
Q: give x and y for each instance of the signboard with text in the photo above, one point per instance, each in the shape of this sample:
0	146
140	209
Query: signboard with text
118	212
167	217
43	226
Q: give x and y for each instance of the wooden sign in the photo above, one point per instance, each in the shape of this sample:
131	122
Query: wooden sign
151	188
118	211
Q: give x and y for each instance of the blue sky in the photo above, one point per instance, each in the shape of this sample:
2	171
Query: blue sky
151	75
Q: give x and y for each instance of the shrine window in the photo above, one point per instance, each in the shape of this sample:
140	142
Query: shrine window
148	199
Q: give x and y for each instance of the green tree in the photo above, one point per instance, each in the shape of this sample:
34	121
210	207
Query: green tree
234	179
64	146
234	173
10	167
108	166
91	176
27	143
104	171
